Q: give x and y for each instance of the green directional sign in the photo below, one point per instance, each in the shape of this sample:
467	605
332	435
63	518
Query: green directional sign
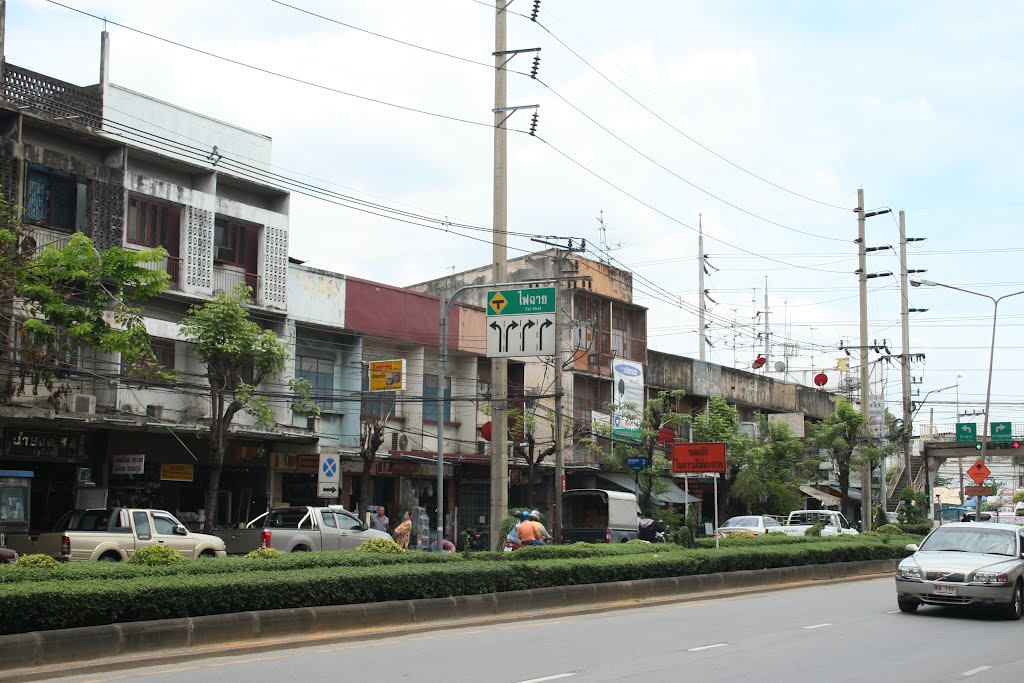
520	301
966	432
1001	432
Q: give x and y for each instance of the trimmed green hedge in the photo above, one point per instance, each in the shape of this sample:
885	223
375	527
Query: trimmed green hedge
34	603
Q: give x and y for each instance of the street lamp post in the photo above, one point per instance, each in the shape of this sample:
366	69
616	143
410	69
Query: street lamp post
991	357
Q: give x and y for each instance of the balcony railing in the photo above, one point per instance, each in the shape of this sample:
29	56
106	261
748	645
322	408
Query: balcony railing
172	265
227	279
35	239
58	98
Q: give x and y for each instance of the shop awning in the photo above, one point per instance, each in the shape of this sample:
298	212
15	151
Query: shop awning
821	496
672	494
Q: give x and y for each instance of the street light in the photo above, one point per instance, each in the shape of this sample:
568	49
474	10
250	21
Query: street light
991	358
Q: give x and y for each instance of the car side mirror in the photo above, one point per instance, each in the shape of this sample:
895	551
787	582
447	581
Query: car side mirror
911	548
181	530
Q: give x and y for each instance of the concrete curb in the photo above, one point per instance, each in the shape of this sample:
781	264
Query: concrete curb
31	653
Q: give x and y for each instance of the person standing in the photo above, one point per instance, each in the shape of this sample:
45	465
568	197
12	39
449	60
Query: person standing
380	521
402	531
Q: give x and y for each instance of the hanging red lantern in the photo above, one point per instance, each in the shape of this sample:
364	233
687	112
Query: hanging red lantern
485	431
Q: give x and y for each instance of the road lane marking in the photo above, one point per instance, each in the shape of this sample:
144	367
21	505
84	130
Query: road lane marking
895	611
975	671
817	626
706	647
549	678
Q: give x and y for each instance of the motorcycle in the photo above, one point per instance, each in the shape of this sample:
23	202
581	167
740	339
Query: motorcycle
477	539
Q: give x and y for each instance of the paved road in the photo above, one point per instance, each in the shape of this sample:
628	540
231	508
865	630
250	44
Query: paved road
839	632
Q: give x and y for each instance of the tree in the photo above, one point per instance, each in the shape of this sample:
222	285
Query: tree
776	466
239	355
658	414
721	423
839	433
522	435
373	416
55	303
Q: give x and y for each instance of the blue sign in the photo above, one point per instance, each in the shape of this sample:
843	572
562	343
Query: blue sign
636	464
330	468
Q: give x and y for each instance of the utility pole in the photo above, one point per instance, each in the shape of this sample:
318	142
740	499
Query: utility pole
908	420
767	330
700	284
499	366
862	281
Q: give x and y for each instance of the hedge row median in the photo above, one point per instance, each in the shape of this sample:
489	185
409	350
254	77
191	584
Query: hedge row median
34	604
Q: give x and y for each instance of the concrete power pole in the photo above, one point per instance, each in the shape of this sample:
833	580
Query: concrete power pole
865	393
499	366
908	427
700	285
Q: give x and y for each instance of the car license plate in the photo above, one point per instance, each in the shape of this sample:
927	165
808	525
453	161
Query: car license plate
943	589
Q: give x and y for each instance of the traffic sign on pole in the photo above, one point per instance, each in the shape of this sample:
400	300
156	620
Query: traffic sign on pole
979	472
1001	432
328	476
521	322
966	432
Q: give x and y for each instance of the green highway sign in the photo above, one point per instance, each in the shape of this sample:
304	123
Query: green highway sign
520	301
1001	432
966	432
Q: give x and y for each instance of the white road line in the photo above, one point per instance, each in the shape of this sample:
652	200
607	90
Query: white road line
895	611
817	626
975	671
706	647
549	678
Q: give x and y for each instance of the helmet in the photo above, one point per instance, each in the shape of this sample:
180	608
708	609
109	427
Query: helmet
535	515
523	515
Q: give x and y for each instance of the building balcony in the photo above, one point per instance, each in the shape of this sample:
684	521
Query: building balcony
63	101
172	266
226	278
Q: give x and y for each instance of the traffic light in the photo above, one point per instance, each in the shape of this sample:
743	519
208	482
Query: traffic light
1015	444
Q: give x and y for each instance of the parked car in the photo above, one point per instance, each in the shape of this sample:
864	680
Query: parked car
114	534
759	525
799	521
300	529
962	564
599	516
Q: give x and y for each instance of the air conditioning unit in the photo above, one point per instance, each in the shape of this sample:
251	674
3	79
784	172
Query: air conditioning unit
83	403
223	254
403	442
155	411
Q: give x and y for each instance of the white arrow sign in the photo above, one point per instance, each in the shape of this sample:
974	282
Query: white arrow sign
521	335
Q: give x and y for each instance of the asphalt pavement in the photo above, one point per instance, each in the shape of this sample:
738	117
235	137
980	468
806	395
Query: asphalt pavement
833	632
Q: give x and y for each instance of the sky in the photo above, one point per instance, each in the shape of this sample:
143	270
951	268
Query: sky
757	121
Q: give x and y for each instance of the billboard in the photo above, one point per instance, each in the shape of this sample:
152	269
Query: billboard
698	458
627	390
387	375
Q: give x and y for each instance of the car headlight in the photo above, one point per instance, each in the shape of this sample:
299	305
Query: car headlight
908	572
990	577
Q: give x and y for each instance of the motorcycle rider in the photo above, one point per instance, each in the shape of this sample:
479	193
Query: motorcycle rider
544	535
513	534
648	528
529	531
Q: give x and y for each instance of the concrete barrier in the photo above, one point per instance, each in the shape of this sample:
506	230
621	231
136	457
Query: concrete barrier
24	650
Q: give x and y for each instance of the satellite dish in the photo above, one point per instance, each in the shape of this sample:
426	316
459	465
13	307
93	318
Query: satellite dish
780	366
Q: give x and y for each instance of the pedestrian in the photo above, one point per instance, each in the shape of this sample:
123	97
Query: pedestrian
402	531
380	521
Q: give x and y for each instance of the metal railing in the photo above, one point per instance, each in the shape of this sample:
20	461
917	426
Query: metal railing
172	266
227	279
35	239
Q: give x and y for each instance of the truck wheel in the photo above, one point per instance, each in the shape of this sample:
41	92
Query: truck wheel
207	553
908	606
300	549
110	557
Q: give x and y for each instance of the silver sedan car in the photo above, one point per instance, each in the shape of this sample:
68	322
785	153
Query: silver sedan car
967	563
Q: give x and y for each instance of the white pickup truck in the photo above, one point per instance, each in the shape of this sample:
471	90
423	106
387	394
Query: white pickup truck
799	521
114	534
300	529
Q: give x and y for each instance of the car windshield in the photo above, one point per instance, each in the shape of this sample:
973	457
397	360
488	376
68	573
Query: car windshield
967	539
742	521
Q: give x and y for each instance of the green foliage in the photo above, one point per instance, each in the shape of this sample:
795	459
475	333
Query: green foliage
263	554
36	560
775	466
1018	496
72	299
917	529
682	536
914	509
881	518
156	556
302	403
660	412
839	434
197	588
380	545
888	529
813	530
505	526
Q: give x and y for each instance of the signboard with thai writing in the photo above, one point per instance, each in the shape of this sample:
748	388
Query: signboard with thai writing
39	444
387	375
176	472
520	322
698	458
128	464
